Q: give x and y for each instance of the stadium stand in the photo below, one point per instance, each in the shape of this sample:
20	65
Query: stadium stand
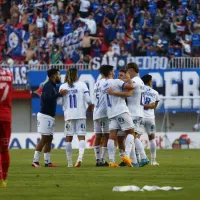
64	32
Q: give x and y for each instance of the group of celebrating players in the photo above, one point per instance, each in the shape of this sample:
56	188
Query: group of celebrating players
123	109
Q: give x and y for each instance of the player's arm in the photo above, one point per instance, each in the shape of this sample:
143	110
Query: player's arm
149	106
88	101
123	94
49	94
157	100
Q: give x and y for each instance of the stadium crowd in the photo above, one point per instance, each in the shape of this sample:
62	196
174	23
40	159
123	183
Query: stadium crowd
111	27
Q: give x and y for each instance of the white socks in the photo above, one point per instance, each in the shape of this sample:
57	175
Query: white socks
111	150
140	148
47	159
121	152
81	150
103	154
133	156
69	152
153	149
137	155
97	152
36	156
129	144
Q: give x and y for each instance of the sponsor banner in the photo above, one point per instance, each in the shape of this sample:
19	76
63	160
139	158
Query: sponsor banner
170	82
20	75
182	140
119	62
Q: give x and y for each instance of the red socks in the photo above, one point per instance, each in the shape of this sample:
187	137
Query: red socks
1	171
5	163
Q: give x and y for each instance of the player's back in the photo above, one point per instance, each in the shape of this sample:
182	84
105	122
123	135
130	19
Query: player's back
74	102
115	105
5	94
151	96
136	100
99	102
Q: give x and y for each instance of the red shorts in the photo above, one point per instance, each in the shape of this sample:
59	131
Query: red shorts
5	133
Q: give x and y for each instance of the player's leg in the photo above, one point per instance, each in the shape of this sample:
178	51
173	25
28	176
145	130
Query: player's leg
5	133
113	129
40	145
69	150
97	142
47	150
104	149
152	142
69	132
139	128
45	126
105	130
121	146
81	132
151	129
126	124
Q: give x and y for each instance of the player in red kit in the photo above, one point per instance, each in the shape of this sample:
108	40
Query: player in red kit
5	123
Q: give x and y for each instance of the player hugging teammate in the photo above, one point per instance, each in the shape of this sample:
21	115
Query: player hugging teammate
123	110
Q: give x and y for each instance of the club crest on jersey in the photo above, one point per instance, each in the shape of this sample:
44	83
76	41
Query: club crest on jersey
135	121
83	127
67	127
121	120
152	127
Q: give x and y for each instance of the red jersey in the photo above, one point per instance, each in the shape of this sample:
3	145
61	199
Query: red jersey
6	79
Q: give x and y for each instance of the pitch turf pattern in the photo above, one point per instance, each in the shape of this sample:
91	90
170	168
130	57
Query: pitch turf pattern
179	168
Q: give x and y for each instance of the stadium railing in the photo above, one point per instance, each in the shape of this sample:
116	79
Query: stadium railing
184	62
174	63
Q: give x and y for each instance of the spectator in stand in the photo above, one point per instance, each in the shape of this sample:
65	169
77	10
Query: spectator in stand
33	63
197	25
51	28
195	39
44	56
84	8
8	61
91	24
67	26
132	22
40	24
97	48
120	35
99	15
87	43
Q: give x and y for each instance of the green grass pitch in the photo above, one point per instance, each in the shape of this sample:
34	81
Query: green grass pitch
180	168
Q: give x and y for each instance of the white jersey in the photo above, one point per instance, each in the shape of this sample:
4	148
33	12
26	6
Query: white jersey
136	101
76	101
99	102
115	105
151	96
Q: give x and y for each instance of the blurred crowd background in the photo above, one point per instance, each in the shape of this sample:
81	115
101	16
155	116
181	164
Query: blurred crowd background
70	31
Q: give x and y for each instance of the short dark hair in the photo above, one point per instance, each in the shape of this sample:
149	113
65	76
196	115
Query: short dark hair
133	66
146	78
122	70
52	72
106	69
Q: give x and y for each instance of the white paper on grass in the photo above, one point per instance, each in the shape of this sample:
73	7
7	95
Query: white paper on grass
126	188
135	188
